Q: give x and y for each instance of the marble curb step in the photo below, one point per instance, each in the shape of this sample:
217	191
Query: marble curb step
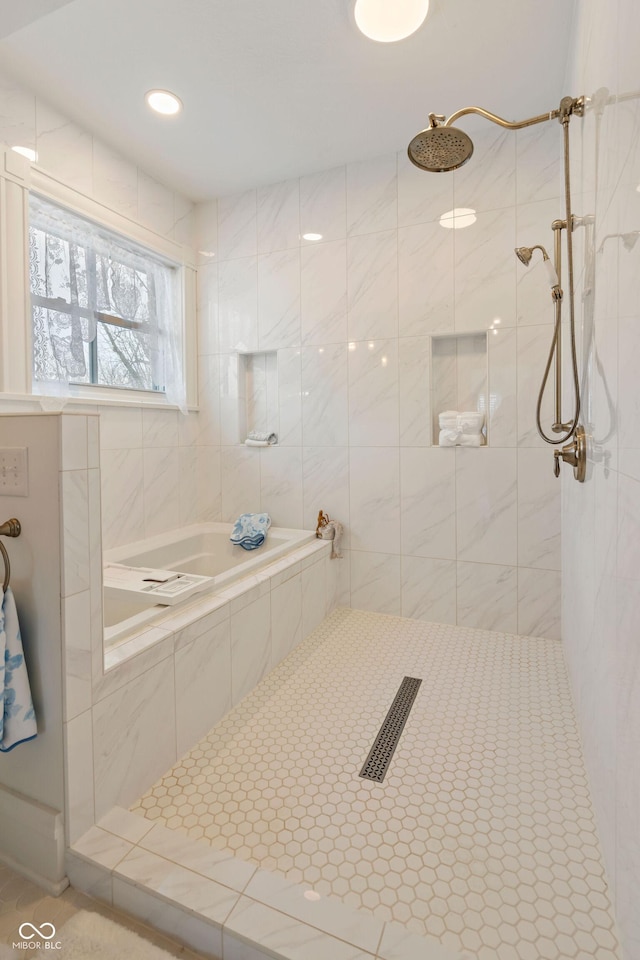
221	906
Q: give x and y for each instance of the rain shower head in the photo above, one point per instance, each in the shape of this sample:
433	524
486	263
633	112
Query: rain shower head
440	148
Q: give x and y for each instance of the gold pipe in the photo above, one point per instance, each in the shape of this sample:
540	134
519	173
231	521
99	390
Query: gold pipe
557	227
499	120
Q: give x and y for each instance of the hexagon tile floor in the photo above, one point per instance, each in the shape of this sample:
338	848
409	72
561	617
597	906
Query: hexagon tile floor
481	835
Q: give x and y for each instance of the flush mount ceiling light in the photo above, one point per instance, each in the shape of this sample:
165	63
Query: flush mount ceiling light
389	20
26	152
458	218
164	102
313	237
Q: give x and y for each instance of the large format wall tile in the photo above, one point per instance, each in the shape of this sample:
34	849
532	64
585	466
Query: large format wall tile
325	398
250	646
487	596
375	499
373	393
485	271
326	485
538	510
414	385
278	216
372	274
429	589
486	488
237	226
375	582
279	299
203	691
425	279
323	281
372	195
323	204
133	737
428	502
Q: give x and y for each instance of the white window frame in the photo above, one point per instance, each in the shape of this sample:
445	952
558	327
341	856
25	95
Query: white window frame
17	178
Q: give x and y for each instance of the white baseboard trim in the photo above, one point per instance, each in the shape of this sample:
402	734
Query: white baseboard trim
32	840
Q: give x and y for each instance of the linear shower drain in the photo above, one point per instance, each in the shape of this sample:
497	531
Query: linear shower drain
384	745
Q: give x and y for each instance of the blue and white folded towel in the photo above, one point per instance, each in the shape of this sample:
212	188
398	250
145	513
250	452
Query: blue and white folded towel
250	530
17	716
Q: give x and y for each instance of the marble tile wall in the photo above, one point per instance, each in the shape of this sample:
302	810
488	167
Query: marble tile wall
601	519
468	536
160	469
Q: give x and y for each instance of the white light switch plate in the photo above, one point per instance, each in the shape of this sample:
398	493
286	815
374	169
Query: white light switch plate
14	474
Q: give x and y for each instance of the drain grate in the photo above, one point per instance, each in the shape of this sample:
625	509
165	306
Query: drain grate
384	745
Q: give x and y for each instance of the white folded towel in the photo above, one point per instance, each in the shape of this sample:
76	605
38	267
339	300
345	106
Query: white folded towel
264	437
455	438
448	419
256	443
470	421
448	438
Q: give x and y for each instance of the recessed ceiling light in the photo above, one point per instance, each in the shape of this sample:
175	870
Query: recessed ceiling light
458	218
164	102
389	20
26	152
312	236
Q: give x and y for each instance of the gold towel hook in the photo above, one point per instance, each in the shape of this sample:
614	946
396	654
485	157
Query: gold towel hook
11	528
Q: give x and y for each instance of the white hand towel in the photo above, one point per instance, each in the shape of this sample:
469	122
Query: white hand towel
471	440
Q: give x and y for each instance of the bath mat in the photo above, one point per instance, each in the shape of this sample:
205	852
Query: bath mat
89	936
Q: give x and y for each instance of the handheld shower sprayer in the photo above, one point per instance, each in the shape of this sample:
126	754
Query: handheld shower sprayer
524	255
442	147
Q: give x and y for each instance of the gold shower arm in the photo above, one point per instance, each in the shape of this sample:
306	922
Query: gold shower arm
499	120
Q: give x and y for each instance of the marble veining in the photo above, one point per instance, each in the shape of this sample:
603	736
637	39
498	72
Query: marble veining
325	399
237	234
278	216
373	286
373	393
323	281
372	195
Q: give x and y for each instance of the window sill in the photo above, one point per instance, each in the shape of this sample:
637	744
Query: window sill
90	398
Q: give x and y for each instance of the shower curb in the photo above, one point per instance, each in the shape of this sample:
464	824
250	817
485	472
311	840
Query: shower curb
114	862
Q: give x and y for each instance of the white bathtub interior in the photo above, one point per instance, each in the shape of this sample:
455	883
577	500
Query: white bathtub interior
202	549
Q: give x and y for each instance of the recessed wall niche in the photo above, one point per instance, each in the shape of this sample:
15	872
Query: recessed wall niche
258	383
459	378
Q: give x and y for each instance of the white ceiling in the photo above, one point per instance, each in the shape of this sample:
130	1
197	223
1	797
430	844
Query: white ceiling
279	88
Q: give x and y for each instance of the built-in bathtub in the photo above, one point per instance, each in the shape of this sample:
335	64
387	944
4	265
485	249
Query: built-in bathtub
167	674
203	549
